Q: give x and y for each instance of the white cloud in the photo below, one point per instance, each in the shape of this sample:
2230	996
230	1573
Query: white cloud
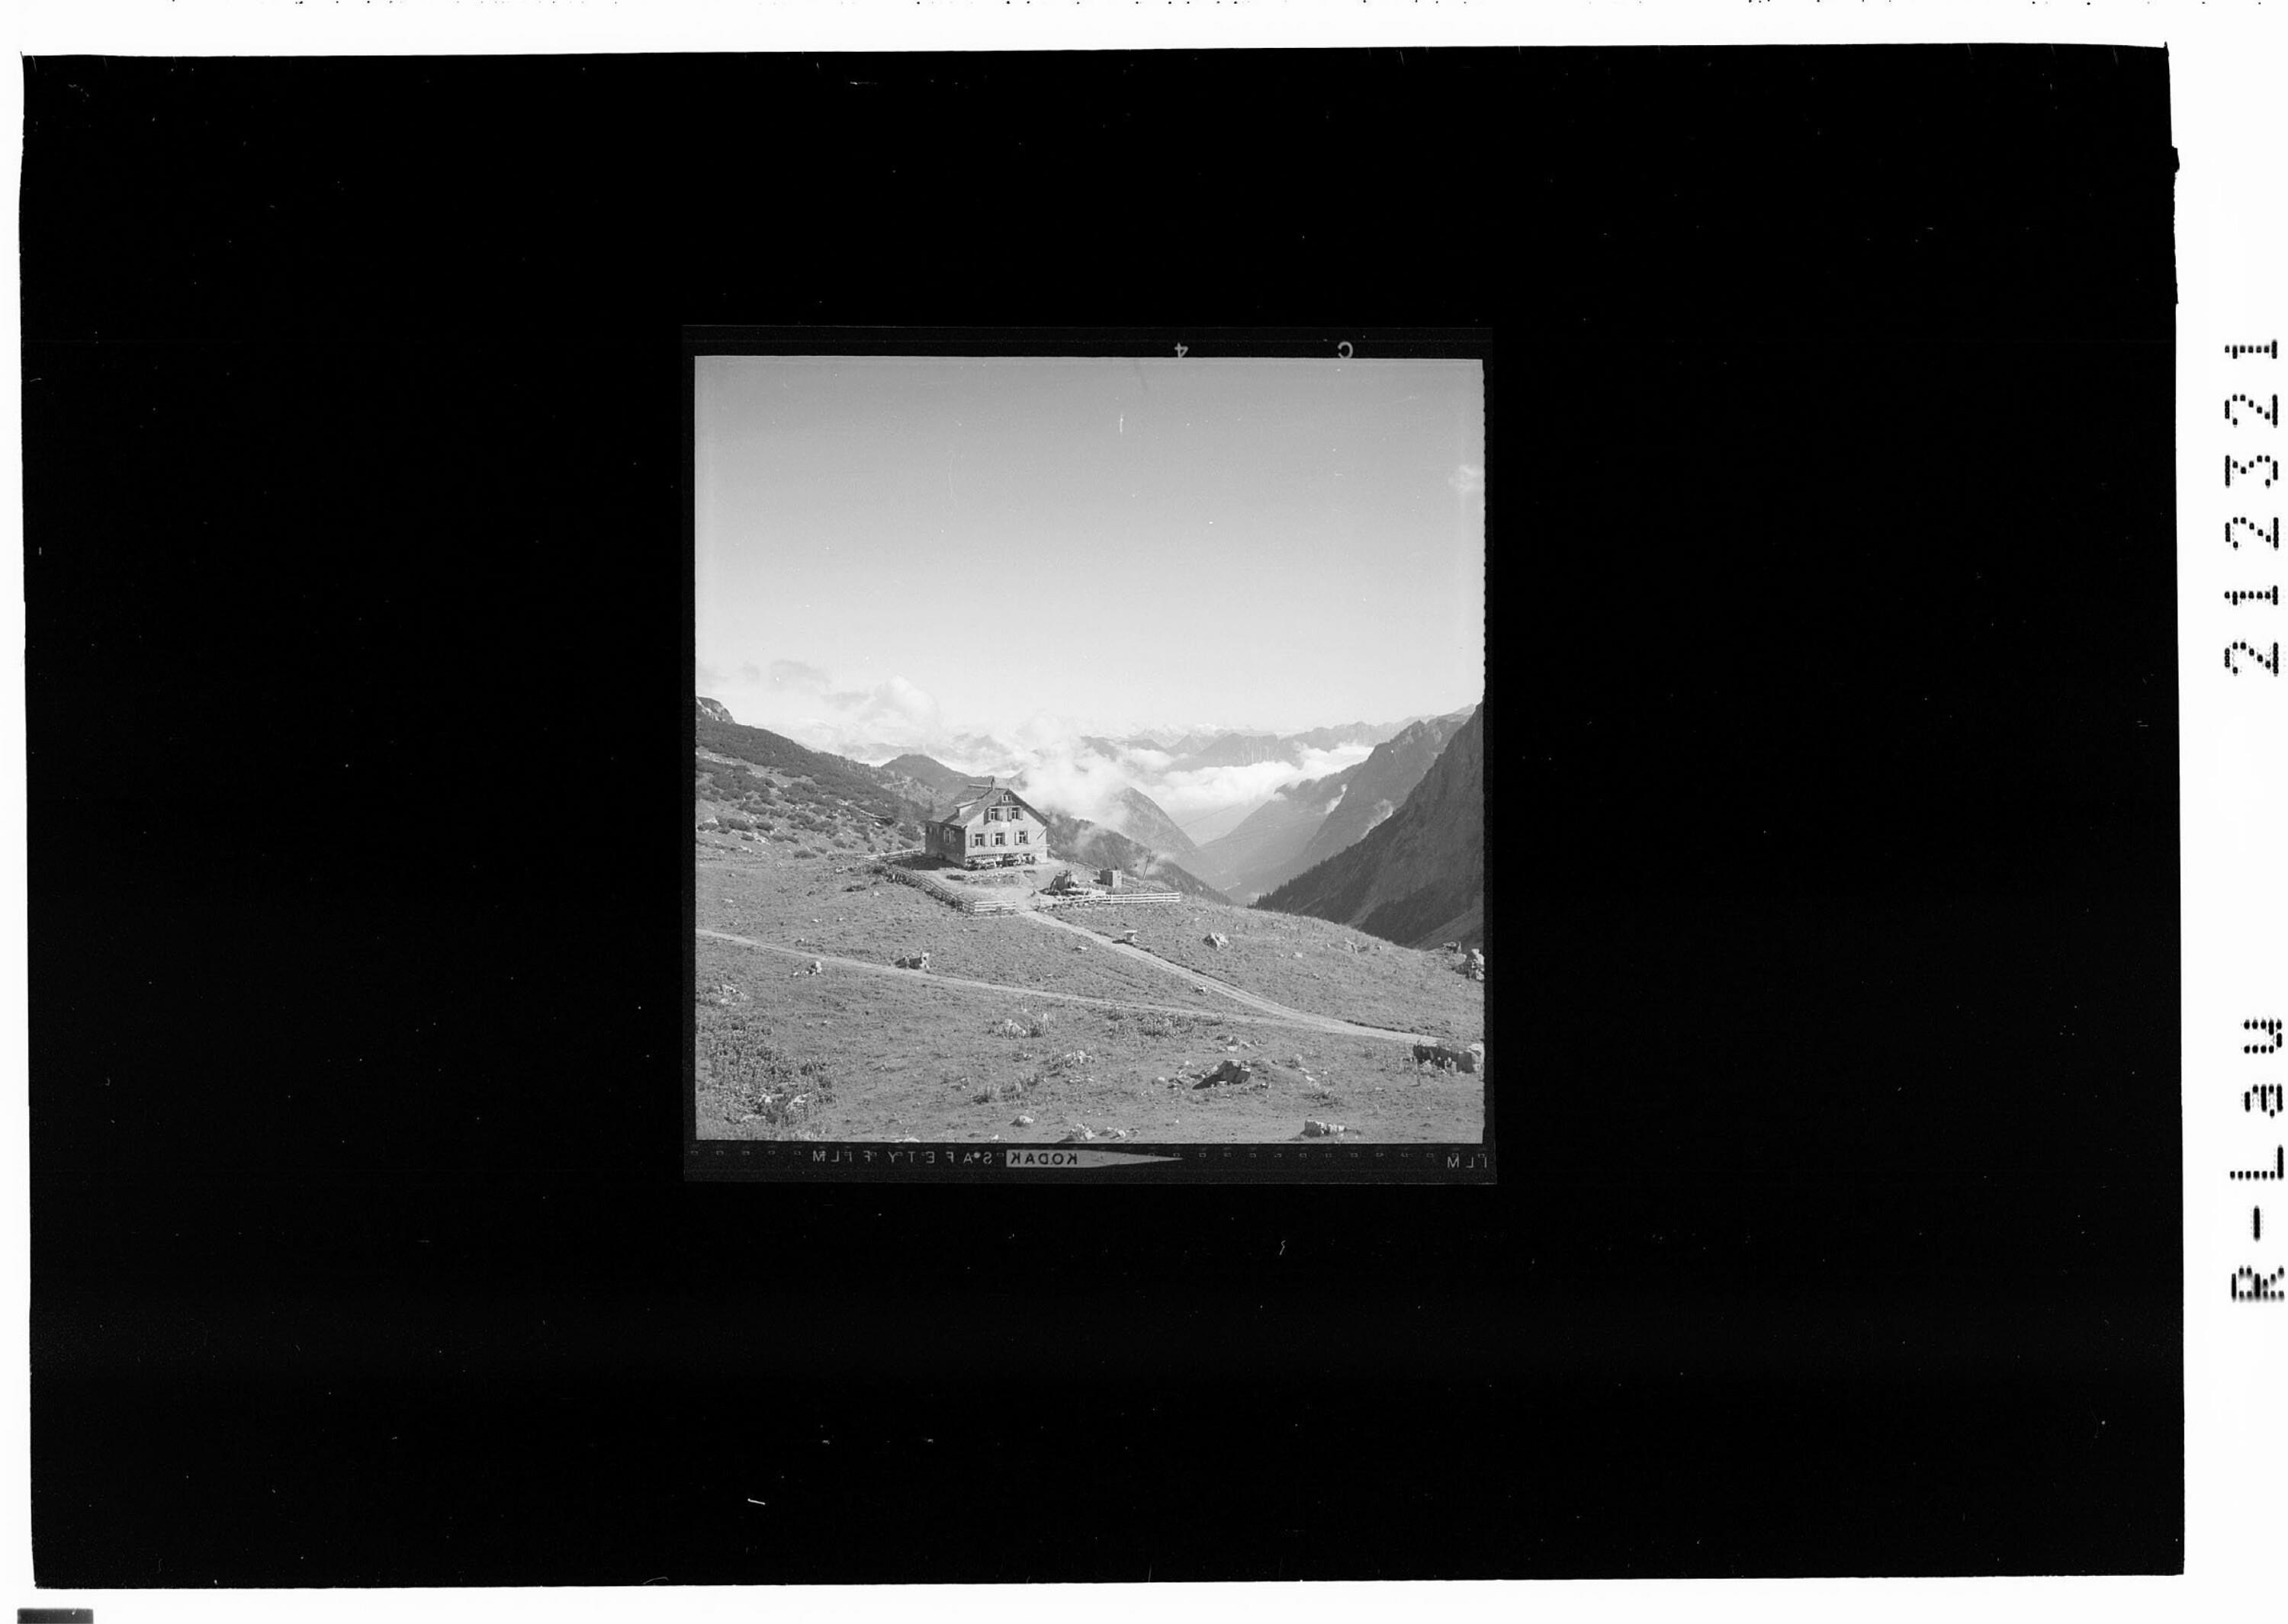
1202	790
795	674
1078	783
800	700
1061	775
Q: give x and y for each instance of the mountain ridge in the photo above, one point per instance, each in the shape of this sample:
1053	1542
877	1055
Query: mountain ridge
1306	823
1418	877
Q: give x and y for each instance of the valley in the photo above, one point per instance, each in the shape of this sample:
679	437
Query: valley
832	1003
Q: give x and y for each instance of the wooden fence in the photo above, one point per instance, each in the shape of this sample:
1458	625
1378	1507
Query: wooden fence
1114	899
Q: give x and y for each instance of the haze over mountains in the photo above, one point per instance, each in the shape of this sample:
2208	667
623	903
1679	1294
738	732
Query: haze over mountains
1303	818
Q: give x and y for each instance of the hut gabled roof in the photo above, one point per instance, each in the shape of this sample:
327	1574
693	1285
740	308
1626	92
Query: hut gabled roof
968	805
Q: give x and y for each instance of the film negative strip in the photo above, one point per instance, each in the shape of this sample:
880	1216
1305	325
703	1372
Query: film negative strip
1104	912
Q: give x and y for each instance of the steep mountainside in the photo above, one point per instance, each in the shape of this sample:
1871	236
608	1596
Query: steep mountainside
1267	847
1418	877
1215	825
941	778
1307	823
1139	818
1077	840
1379	787
757	783
1142	821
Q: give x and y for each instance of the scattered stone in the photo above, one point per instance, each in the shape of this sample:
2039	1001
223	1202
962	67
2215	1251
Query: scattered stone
1020	1121
1313	1129
1217	938
919	961
1227	1071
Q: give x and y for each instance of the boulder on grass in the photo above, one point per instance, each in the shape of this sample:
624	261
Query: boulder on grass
1227	1071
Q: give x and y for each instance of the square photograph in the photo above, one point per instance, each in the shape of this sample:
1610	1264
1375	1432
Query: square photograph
1088	752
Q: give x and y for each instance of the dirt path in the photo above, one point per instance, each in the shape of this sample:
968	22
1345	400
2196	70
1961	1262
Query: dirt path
1279	1011
1270	1013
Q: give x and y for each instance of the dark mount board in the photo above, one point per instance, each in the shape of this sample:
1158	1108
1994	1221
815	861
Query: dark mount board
1830	616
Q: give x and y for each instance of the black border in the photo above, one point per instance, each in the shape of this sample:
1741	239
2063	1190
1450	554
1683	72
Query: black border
350	465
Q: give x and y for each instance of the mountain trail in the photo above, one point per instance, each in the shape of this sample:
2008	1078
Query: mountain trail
1280	1011
1269	1013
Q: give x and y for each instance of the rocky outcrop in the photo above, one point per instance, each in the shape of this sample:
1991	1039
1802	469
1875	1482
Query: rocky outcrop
713	710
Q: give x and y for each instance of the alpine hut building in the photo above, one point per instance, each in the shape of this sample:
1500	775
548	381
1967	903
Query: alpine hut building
988	825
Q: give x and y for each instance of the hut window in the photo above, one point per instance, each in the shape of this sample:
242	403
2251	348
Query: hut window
1000	840
977	840
1023	838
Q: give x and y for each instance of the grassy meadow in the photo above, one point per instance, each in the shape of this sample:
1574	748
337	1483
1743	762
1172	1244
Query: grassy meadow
848	1054
1309	964
785	1056
775	897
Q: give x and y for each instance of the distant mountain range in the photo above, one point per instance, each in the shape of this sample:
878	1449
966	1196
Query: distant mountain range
1195	752
1271	851
1307	823
1416	877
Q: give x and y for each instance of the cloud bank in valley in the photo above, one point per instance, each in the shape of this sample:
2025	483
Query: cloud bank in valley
1080	782
1062	772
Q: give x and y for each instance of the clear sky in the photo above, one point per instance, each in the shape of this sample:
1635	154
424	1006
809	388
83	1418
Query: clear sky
904	548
